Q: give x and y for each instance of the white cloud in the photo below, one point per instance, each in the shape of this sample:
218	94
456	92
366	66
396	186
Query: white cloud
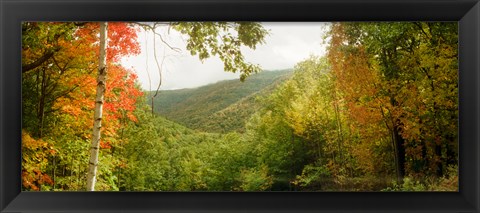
287	44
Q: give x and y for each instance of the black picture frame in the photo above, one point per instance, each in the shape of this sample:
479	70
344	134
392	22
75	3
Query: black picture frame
13	12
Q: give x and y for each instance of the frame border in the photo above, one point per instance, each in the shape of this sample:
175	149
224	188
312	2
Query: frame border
13	12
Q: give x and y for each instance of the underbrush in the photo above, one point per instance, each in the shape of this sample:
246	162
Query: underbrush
449	182
325	182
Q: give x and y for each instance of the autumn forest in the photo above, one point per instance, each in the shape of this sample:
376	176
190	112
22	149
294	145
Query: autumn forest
377	112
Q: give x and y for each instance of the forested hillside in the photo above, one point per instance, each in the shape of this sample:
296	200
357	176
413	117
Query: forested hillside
377	112
220	107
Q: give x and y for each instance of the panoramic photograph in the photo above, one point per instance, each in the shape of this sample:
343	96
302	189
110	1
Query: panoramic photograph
240	106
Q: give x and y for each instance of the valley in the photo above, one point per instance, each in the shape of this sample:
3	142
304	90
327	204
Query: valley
220	107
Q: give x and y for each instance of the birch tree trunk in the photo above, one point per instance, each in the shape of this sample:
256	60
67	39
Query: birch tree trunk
97	125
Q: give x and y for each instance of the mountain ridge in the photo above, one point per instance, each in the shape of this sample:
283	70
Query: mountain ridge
219	107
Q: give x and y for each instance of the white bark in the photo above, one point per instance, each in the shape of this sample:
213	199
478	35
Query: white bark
97	125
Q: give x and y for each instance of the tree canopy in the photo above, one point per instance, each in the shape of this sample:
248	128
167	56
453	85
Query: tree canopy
378	112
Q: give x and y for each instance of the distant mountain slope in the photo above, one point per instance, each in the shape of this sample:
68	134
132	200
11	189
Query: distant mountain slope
220	107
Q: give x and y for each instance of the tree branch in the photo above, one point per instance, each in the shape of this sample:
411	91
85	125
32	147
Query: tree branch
40	61
152	28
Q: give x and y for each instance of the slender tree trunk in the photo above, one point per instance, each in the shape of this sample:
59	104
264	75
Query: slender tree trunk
41	105
399	145
101	81
439	164
339	129
438	144
424	156
451	154
77	186
71	174
400	154
53	172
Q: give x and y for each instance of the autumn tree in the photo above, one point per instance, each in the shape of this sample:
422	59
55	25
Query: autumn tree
378	112
58	94
97	119
413	71
359	84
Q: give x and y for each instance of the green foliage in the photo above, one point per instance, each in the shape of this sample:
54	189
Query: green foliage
220	107
217	39
408	184
382	102
311	174
164	156
255	179
401	77
448	182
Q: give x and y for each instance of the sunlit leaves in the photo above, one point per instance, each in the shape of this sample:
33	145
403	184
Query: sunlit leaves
36	155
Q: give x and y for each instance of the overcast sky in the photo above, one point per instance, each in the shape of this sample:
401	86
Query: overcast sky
287	44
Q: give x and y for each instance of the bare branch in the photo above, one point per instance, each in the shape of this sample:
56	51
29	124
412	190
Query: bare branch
159	67
153	28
